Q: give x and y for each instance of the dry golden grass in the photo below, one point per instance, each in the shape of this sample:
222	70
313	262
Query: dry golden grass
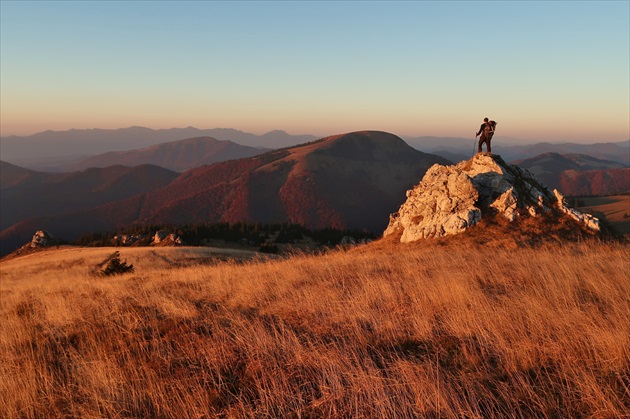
383	330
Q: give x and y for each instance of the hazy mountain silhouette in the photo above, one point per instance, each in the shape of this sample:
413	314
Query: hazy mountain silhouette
457	149
351	180
45	149
178	155
49	150
615	152
579	174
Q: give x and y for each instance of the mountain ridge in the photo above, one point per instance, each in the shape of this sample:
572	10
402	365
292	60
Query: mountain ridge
458	149
52	148
35	150
351	180
178	156
579	174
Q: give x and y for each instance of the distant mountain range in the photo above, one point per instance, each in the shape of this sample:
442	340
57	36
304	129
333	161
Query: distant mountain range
178	155
549	166
457	149
579	174
59	150
50	149
573	169
352	180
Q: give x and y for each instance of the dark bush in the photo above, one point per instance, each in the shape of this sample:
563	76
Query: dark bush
115	266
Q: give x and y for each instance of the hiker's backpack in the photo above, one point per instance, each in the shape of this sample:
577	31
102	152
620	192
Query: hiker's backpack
488	130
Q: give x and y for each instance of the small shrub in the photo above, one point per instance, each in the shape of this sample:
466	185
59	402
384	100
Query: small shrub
114	266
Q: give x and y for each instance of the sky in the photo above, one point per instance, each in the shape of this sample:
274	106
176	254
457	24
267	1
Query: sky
544	70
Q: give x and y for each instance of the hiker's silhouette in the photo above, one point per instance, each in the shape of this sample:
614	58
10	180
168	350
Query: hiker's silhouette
487	132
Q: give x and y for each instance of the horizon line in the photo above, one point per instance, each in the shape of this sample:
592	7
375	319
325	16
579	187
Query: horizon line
408	136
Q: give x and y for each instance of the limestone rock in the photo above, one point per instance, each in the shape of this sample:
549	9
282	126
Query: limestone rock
166	238
590	221
450	199
43	239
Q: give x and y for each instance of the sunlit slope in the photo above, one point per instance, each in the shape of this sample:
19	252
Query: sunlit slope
441	329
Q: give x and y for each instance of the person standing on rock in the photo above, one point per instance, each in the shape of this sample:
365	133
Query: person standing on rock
487	132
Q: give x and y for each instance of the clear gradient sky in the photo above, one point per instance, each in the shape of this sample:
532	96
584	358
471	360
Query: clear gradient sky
544	70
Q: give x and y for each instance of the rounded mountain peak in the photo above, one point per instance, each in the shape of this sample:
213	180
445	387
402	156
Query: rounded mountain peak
364	145
366	137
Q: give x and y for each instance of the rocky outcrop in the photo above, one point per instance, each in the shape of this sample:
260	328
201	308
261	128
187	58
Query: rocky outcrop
43	239
450	199
587	219
166	238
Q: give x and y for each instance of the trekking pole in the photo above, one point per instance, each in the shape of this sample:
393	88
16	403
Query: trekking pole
474	146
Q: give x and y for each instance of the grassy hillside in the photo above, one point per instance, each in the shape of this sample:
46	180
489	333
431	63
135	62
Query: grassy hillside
448	328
